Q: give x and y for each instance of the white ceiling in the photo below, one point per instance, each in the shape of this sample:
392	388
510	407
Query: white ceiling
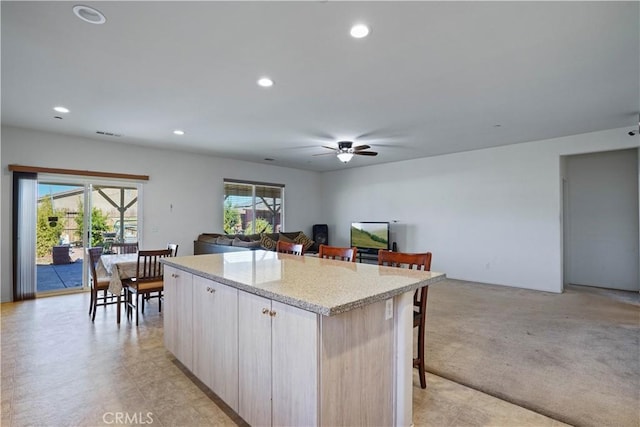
431	78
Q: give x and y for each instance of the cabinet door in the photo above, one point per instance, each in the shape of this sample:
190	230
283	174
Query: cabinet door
254	351
294	342
177	314
215	331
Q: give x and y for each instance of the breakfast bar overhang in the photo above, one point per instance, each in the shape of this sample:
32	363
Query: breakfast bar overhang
296	340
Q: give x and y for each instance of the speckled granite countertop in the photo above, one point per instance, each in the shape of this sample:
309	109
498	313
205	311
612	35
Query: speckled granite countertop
321	286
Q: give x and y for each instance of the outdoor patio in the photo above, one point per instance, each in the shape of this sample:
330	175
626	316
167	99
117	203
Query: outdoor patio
57	277
54	277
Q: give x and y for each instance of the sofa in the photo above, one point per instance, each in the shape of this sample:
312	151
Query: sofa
214	243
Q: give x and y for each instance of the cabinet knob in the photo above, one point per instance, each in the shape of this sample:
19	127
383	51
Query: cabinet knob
265	310
210	289
272	313
174	275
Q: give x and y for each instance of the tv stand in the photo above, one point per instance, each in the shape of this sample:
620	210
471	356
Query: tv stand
367	255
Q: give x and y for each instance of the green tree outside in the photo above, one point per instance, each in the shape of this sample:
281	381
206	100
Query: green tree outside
259	225
231	219
47	236
98	224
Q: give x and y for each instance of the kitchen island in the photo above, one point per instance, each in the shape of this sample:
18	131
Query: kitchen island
293	340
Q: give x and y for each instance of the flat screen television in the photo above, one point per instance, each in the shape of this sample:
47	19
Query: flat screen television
369	237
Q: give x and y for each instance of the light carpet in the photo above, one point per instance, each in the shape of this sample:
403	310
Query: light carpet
574	357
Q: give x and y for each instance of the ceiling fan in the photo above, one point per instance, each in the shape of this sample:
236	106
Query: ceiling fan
345	151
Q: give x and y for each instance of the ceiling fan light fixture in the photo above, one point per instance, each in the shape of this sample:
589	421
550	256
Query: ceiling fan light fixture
345	157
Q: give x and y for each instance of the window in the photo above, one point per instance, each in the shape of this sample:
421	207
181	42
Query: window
252	207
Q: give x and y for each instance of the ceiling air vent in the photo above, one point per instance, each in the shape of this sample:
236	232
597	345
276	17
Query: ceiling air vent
101	132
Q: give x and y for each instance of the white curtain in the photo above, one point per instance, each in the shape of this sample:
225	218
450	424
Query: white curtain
24	223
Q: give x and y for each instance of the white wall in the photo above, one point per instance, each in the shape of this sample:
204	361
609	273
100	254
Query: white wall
192	183
602	226
490	215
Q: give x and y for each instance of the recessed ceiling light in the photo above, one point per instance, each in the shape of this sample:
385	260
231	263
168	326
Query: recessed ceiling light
61	109
89	14
359	31
178	132
265	82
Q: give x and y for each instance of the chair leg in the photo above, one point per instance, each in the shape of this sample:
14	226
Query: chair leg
128	302
420	360
91	301
119	300
138	302
94	299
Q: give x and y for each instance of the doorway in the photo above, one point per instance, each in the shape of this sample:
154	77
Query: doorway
59	237
73	215
600	210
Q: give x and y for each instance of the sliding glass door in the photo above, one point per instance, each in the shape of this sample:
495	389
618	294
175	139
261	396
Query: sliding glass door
73	215
60	232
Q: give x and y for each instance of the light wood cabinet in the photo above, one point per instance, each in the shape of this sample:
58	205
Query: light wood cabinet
294	340
178	306
215	338
278	362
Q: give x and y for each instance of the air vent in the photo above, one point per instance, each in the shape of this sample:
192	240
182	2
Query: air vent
101	132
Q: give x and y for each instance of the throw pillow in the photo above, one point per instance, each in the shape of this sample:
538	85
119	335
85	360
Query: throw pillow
224	241
243	244
267	242
305	240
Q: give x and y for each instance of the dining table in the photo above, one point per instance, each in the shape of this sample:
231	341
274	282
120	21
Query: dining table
117	267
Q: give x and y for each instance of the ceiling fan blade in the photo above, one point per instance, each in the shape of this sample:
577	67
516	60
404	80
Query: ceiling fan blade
329	148
366	153
361	147
323	154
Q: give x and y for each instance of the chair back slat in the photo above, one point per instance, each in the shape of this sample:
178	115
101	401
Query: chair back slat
334	252
421	261
149	266
289	248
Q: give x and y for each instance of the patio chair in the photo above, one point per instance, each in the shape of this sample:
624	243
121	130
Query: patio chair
421	262
124	248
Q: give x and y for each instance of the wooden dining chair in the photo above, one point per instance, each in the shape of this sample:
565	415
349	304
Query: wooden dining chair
174	249
289	248
149	278
124	248
98	284
334	252
421	261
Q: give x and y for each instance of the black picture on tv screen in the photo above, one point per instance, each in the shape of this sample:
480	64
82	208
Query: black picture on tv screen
370	235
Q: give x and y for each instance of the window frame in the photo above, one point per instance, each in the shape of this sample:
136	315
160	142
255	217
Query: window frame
279	213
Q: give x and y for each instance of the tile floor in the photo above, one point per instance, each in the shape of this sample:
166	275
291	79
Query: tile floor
59	369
